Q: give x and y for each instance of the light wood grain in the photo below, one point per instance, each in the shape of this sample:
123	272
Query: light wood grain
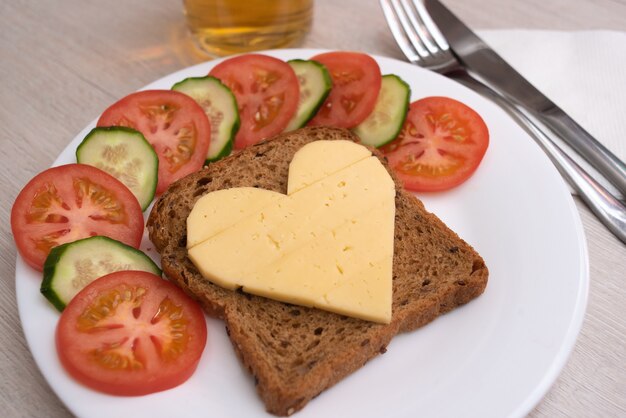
62	63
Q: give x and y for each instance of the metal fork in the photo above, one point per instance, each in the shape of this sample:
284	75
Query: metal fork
423	44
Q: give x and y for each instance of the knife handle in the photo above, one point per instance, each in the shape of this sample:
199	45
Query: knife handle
603	160
609	210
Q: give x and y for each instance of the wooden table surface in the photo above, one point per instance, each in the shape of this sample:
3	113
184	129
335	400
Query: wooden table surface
62	63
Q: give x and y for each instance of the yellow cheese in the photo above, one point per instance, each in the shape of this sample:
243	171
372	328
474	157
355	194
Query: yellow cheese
328	244
346	270
219	210
319	159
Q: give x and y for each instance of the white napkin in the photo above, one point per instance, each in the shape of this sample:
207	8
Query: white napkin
582	72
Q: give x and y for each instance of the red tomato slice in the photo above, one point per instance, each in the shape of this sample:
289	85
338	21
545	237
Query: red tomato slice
440	146
267	93
131	333
172	122
356	84
66	203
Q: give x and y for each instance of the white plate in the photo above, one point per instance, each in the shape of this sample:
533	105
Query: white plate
495	357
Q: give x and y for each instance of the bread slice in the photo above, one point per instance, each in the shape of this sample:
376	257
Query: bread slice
294	352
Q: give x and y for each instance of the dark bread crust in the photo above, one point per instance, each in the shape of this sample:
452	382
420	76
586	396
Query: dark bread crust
293	352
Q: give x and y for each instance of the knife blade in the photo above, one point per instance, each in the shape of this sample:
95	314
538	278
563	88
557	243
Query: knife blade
480	59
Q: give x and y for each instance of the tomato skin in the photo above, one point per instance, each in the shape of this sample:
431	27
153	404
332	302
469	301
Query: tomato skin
172	122
267	92
356	83
52	210
77	344
440	145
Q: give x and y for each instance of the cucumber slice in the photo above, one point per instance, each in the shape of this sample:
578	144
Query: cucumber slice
315	85
72	266
220	106
126	155
385	122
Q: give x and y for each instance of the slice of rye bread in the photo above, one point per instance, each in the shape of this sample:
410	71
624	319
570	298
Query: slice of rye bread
294	352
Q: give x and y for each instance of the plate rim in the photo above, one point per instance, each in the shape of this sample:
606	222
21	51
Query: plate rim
580	307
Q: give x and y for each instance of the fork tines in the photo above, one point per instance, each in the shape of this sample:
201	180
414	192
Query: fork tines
413	29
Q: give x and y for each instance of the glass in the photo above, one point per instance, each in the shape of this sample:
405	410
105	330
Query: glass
224	27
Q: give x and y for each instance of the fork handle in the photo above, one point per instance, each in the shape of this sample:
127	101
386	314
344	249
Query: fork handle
586	145
609	210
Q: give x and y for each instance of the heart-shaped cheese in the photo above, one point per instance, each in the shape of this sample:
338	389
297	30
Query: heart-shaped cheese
328	243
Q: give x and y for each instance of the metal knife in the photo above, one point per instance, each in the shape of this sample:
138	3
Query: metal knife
483	61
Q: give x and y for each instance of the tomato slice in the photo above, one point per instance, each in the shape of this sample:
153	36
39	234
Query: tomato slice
356	83
69	202
440	145
131	333
172	122
267	93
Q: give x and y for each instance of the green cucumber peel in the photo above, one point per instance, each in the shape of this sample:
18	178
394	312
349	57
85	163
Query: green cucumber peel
198	88
58	271
306	111
377	134
90	152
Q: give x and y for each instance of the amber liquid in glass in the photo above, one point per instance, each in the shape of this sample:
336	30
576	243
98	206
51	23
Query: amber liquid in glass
224	27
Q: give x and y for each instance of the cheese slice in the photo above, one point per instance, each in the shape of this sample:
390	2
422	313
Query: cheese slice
328	244
349	274
220	210
320	159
